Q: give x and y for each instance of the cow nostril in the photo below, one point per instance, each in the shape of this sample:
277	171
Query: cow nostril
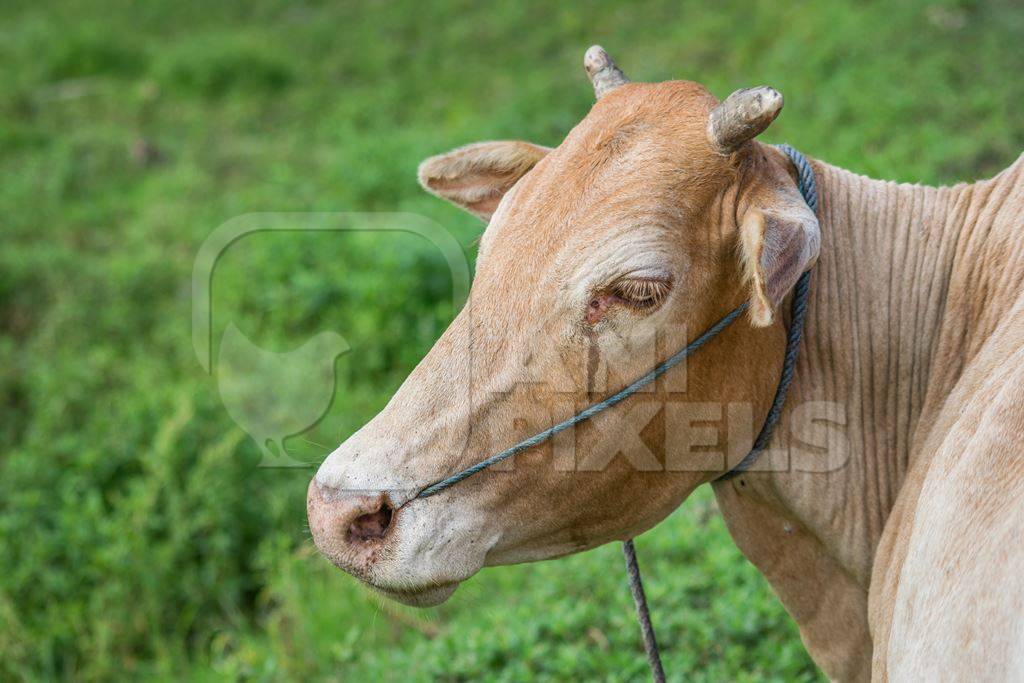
372	525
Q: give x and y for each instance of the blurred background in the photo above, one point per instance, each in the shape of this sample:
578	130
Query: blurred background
138	536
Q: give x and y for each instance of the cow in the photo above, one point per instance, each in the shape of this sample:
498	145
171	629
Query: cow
888	511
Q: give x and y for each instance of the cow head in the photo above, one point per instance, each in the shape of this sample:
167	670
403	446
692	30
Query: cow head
655	216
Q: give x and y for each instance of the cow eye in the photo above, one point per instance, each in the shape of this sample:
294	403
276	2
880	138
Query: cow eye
642	293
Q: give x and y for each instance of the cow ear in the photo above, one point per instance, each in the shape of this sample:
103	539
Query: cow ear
779	239
477	176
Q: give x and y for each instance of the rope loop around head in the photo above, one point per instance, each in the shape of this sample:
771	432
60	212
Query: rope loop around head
809	191
806	183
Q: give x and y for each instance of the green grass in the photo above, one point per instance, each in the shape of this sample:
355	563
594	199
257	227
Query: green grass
137	536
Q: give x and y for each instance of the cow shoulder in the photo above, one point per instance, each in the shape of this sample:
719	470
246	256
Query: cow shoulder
947	596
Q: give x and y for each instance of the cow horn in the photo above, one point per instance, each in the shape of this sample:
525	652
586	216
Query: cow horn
603	72
742	116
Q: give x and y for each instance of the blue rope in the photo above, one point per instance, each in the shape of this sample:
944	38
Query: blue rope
796	328
589	412
809	190
643	615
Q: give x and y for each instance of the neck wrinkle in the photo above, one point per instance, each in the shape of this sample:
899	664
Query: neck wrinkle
986	277
878	293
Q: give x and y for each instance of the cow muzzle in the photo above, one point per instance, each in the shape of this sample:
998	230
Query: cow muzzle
350	528
357	532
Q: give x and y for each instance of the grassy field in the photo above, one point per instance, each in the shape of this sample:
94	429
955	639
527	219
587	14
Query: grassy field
138	538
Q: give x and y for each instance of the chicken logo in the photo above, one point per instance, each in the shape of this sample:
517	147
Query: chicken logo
275	395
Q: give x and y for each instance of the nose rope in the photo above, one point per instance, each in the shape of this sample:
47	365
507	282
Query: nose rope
809	191
589	412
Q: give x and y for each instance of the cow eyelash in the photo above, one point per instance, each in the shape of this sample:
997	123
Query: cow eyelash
642	293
